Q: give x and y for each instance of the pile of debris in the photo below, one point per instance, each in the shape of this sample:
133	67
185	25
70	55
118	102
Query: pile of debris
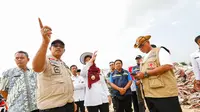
185	78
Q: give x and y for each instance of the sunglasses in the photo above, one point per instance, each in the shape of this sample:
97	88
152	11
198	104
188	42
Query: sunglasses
58	45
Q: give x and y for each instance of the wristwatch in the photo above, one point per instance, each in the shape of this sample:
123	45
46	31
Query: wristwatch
146	75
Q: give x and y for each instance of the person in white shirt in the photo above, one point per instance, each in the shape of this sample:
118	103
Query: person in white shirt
97	96
79	89
195	60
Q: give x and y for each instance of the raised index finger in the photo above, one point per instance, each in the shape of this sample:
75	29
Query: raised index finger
40	22
95	52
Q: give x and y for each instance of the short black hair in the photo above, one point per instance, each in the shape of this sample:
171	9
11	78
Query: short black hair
25	53
196	39
111	62
119	61
72	66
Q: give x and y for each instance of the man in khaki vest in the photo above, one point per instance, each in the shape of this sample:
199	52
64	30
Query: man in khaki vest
54	84
159	83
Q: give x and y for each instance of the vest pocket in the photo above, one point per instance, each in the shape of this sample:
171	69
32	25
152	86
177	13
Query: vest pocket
57	86
57	89
156	82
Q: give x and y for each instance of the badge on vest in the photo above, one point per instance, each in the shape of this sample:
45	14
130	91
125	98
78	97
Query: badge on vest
55	67
151	65
54	62
92	77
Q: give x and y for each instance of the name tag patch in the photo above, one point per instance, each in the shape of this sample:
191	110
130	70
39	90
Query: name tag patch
56	69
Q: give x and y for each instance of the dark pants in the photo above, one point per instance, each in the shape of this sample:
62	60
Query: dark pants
170	104
80	106
69	107
141	107
140	100
114	104
124	105
100	108
135	101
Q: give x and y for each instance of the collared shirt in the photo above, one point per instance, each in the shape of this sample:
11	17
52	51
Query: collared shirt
195	60
79	88
21	88
119	74
121	79
98	93
55	87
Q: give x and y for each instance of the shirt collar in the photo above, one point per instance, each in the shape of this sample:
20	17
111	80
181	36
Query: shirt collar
20	69
51	57
74	75
119	72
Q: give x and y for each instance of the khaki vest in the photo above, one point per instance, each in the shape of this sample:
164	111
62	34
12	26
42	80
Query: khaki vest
162	85
55	87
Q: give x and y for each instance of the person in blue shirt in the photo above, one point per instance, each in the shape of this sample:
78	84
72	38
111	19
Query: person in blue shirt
136	69
120	81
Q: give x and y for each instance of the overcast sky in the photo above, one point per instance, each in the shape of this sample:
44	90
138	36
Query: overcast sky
109	26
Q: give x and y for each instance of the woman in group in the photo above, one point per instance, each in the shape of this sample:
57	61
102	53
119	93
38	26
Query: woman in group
97	96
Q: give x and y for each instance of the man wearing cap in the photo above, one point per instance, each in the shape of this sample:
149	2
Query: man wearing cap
137	99
19	84
158	79
97	96
195	60
54	84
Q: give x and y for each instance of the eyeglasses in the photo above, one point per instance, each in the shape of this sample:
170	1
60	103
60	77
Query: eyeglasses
142	44
58	45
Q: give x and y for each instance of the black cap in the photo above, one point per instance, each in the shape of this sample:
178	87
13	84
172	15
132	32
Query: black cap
57	41
138	57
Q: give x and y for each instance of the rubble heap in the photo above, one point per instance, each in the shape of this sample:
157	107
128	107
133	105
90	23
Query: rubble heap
185	81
